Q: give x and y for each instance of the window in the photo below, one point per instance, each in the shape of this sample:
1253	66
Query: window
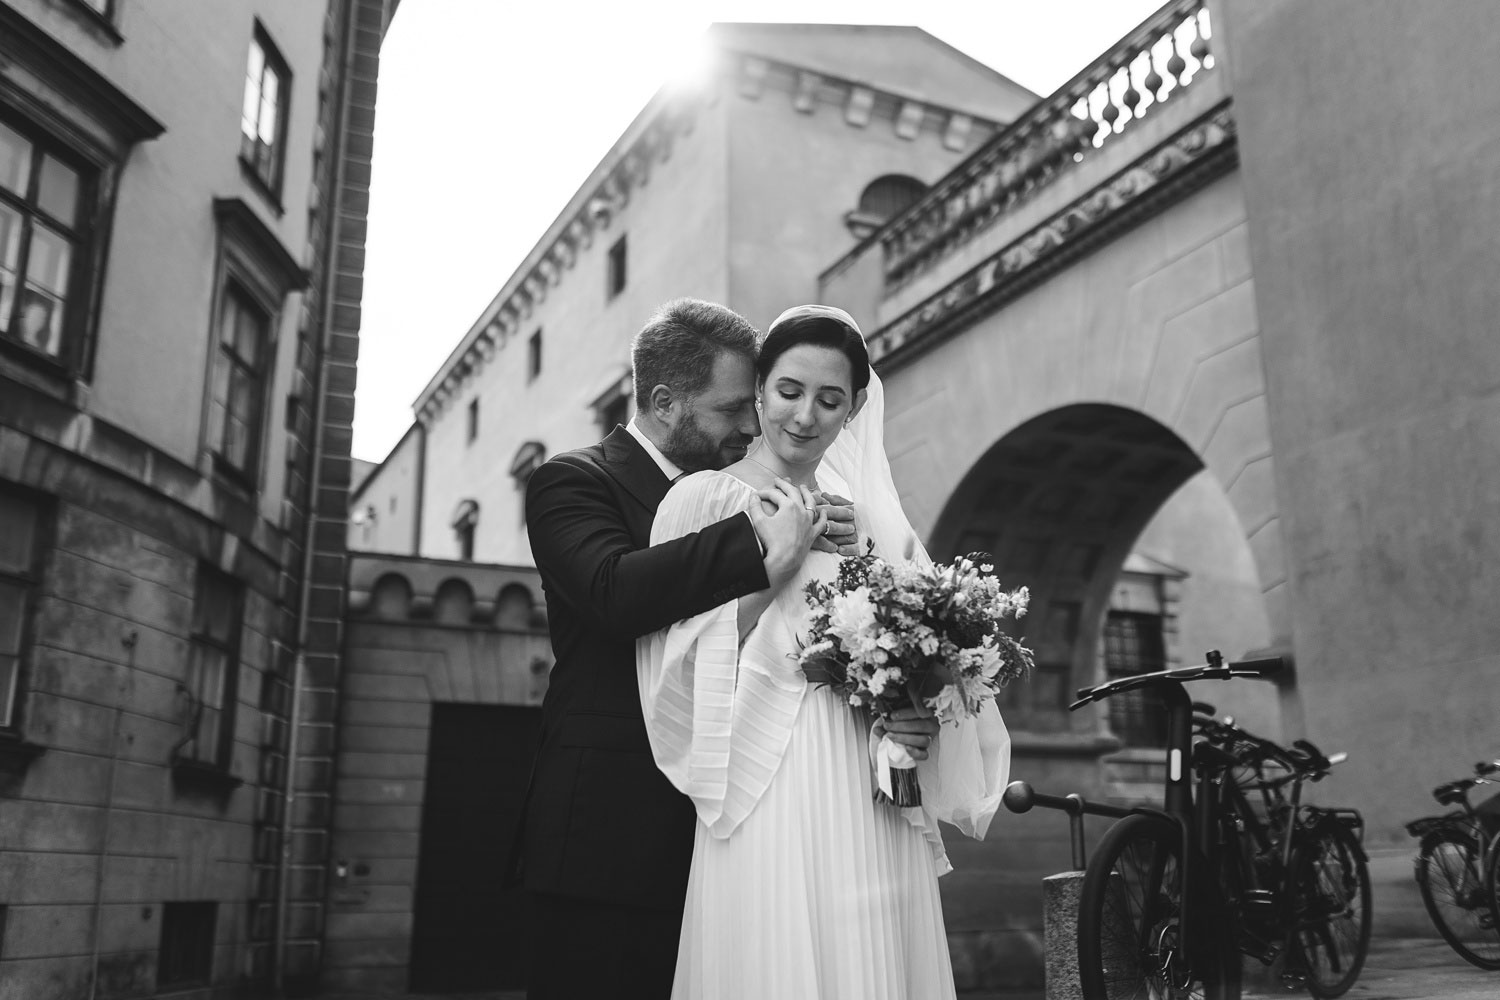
43	245
615	413
612	406
239	387
615	283
213	668
882	200
255	274
473	429
528	457
1134	644
21	522
465	520
263	117
186	957
534	355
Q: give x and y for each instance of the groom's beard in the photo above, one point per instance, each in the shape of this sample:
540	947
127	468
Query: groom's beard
692	449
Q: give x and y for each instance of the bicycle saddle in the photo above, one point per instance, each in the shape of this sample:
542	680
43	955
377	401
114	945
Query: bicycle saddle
1452	792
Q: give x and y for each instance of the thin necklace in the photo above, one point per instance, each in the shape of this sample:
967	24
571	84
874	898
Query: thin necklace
763	465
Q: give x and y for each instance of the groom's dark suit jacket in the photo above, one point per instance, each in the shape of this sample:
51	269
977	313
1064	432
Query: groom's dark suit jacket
601	821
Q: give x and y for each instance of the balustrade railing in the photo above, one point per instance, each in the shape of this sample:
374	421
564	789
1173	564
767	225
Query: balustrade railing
1165	54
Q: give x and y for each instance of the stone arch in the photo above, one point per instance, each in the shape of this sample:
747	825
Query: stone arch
1059	501
515	607
390	598
453	603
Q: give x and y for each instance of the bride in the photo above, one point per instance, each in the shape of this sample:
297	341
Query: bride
802	886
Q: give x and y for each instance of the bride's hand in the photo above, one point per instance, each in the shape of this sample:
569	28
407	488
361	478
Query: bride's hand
840	536
786	530
913	728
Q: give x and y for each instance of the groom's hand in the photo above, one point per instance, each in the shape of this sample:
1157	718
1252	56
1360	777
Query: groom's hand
786	521
913	728
839	533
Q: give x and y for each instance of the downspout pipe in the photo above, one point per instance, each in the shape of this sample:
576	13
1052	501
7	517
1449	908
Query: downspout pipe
320	352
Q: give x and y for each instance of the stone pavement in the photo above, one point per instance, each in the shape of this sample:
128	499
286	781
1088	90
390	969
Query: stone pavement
1405	968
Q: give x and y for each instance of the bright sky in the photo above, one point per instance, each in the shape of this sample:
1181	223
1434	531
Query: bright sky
492	112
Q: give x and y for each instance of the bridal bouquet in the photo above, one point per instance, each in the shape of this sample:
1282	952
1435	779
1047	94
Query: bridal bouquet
893	635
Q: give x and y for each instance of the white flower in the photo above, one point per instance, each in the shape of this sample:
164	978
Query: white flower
948	703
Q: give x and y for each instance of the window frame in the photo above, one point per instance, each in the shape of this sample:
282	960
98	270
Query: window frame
234	288
230	647
616	274
79	298
47	89
271	61
32	581
465	523
252	259
197	920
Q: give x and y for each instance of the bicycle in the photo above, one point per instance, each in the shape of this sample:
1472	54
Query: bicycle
1172	896
1458	867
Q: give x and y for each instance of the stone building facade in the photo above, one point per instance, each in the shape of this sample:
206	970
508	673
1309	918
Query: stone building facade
182	198
1201	341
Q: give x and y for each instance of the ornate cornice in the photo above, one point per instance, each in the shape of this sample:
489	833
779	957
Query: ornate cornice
628	167
1187	161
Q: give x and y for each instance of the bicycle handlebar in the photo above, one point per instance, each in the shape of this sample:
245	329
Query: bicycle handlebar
1215	669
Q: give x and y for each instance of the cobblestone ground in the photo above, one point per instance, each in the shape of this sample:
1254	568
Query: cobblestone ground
1397	969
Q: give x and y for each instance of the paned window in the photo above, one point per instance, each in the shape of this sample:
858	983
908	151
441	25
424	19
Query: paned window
1134	644
239	389
187	944
263	116
20	577
213	667
43	243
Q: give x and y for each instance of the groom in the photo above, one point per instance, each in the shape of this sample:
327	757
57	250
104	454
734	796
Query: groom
606	840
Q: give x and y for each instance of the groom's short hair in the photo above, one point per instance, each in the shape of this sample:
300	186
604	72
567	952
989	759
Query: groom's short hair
679	344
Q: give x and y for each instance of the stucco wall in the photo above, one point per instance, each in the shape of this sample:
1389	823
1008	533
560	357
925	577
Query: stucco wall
186	67
1373	229
794	174
675	234
383	514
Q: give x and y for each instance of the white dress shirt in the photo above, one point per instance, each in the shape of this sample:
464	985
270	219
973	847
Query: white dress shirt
670	469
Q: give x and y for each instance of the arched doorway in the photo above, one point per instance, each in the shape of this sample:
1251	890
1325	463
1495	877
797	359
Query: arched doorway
1062	501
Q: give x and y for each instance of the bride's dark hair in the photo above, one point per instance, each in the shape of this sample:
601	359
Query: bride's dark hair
817	331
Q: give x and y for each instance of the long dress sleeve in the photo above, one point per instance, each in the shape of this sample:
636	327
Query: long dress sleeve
718	716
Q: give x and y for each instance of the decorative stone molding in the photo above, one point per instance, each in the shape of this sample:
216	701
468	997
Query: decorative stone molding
753	71
806	96
1118	88
909	120
596	209
1191	158
860	105
412	587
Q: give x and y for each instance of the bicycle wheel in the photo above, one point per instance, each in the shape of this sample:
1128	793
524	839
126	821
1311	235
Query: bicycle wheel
1331	910
1450	878
1129	921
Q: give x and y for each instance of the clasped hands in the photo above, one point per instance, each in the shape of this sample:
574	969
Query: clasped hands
790	519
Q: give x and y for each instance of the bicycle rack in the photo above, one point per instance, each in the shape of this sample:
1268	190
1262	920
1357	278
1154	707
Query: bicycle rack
1020	797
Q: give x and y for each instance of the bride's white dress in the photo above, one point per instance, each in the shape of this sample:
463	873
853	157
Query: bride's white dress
802	886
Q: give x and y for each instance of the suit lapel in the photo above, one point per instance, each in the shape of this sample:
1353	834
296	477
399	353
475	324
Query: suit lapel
634	469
